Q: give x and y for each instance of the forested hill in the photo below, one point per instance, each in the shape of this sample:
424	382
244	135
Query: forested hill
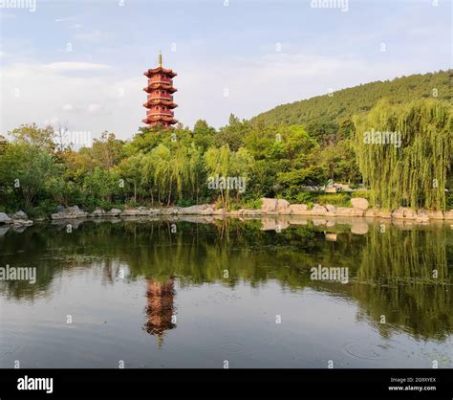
346	102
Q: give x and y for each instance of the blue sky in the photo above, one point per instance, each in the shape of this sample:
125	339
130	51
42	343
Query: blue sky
80	63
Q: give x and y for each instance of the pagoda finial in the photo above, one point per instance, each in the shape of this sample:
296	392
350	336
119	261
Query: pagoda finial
160	59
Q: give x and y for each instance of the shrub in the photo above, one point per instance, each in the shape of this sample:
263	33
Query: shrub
304	197
336	199
361	193
254	204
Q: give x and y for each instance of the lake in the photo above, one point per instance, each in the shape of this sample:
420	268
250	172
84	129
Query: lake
227	293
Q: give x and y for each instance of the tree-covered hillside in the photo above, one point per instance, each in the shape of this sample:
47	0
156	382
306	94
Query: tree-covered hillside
332	109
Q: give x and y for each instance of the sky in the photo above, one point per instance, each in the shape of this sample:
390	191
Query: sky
79	64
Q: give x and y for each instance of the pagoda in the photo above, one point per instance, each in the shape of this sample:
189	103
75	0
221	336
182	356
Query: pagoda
160	307
160	96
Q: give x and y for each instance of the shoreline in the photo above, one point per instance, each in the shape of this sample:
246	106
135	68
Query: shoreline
271	208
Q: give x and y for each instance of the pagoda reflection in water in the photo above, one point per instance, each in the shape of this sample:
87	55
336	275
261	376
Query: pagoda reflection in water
160	308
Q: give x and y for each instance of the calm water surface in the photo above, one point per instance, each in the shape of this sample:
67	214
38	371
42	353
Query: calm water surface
194	294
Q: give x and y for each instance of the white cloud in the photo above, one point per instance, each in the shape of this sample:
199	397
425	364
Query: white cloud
65	66
96	97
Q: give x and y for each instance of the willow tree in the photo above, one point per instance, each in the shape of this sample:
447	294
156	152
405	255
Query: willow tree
404	153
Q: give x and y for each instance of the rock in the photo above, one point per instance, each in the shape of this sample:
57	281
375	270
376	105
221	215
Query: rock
398	213
114	212
342	187
409	213
299	209
169	211
22	222
269	205
371	212
422	216
143	211
4	219
318	210
319	222
436	214
60	208
384	214
70	213
404	212
331	189
330	208
136	212
349	212
360	203
282	205
251	212
97	213
359	228
19	215
448	214
196	209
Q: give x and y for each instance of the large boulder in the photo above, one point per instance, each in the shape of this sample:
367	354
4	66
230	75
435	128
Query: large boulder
283	206
250	212
318	210
70	213
269	205
4	219
448	214
19	215
299	209
349	212
97	213
200	209
436	214
422	216
404	213
360	203
114	212
170	211
330	208
22	222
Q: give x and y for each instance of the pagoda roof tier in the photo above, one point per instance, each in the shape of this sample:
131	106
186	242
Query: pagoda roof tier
159	114
152	87
160	70
159	120
157	102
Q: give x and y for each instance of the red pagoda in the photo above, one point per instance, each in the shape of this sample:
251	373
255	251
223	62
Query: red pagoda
160	96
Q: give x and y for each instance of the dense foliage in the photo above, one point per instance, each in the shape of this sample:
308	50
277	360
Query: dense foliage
173	166
325	113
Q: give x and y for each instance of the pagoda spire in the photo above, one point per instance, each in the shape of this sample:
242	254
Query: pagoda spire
159	60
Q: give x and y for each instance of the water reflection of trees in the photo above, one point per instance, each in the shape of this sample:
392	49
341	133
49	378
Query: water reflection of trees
403	276
391	273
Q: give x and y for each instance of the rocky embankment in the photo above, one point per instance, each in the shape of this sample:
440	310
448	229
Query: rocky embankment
18	219
270	207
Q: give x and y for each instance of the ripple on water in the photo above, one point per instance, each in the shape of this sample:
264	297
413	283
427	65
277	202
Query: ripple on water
366	350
